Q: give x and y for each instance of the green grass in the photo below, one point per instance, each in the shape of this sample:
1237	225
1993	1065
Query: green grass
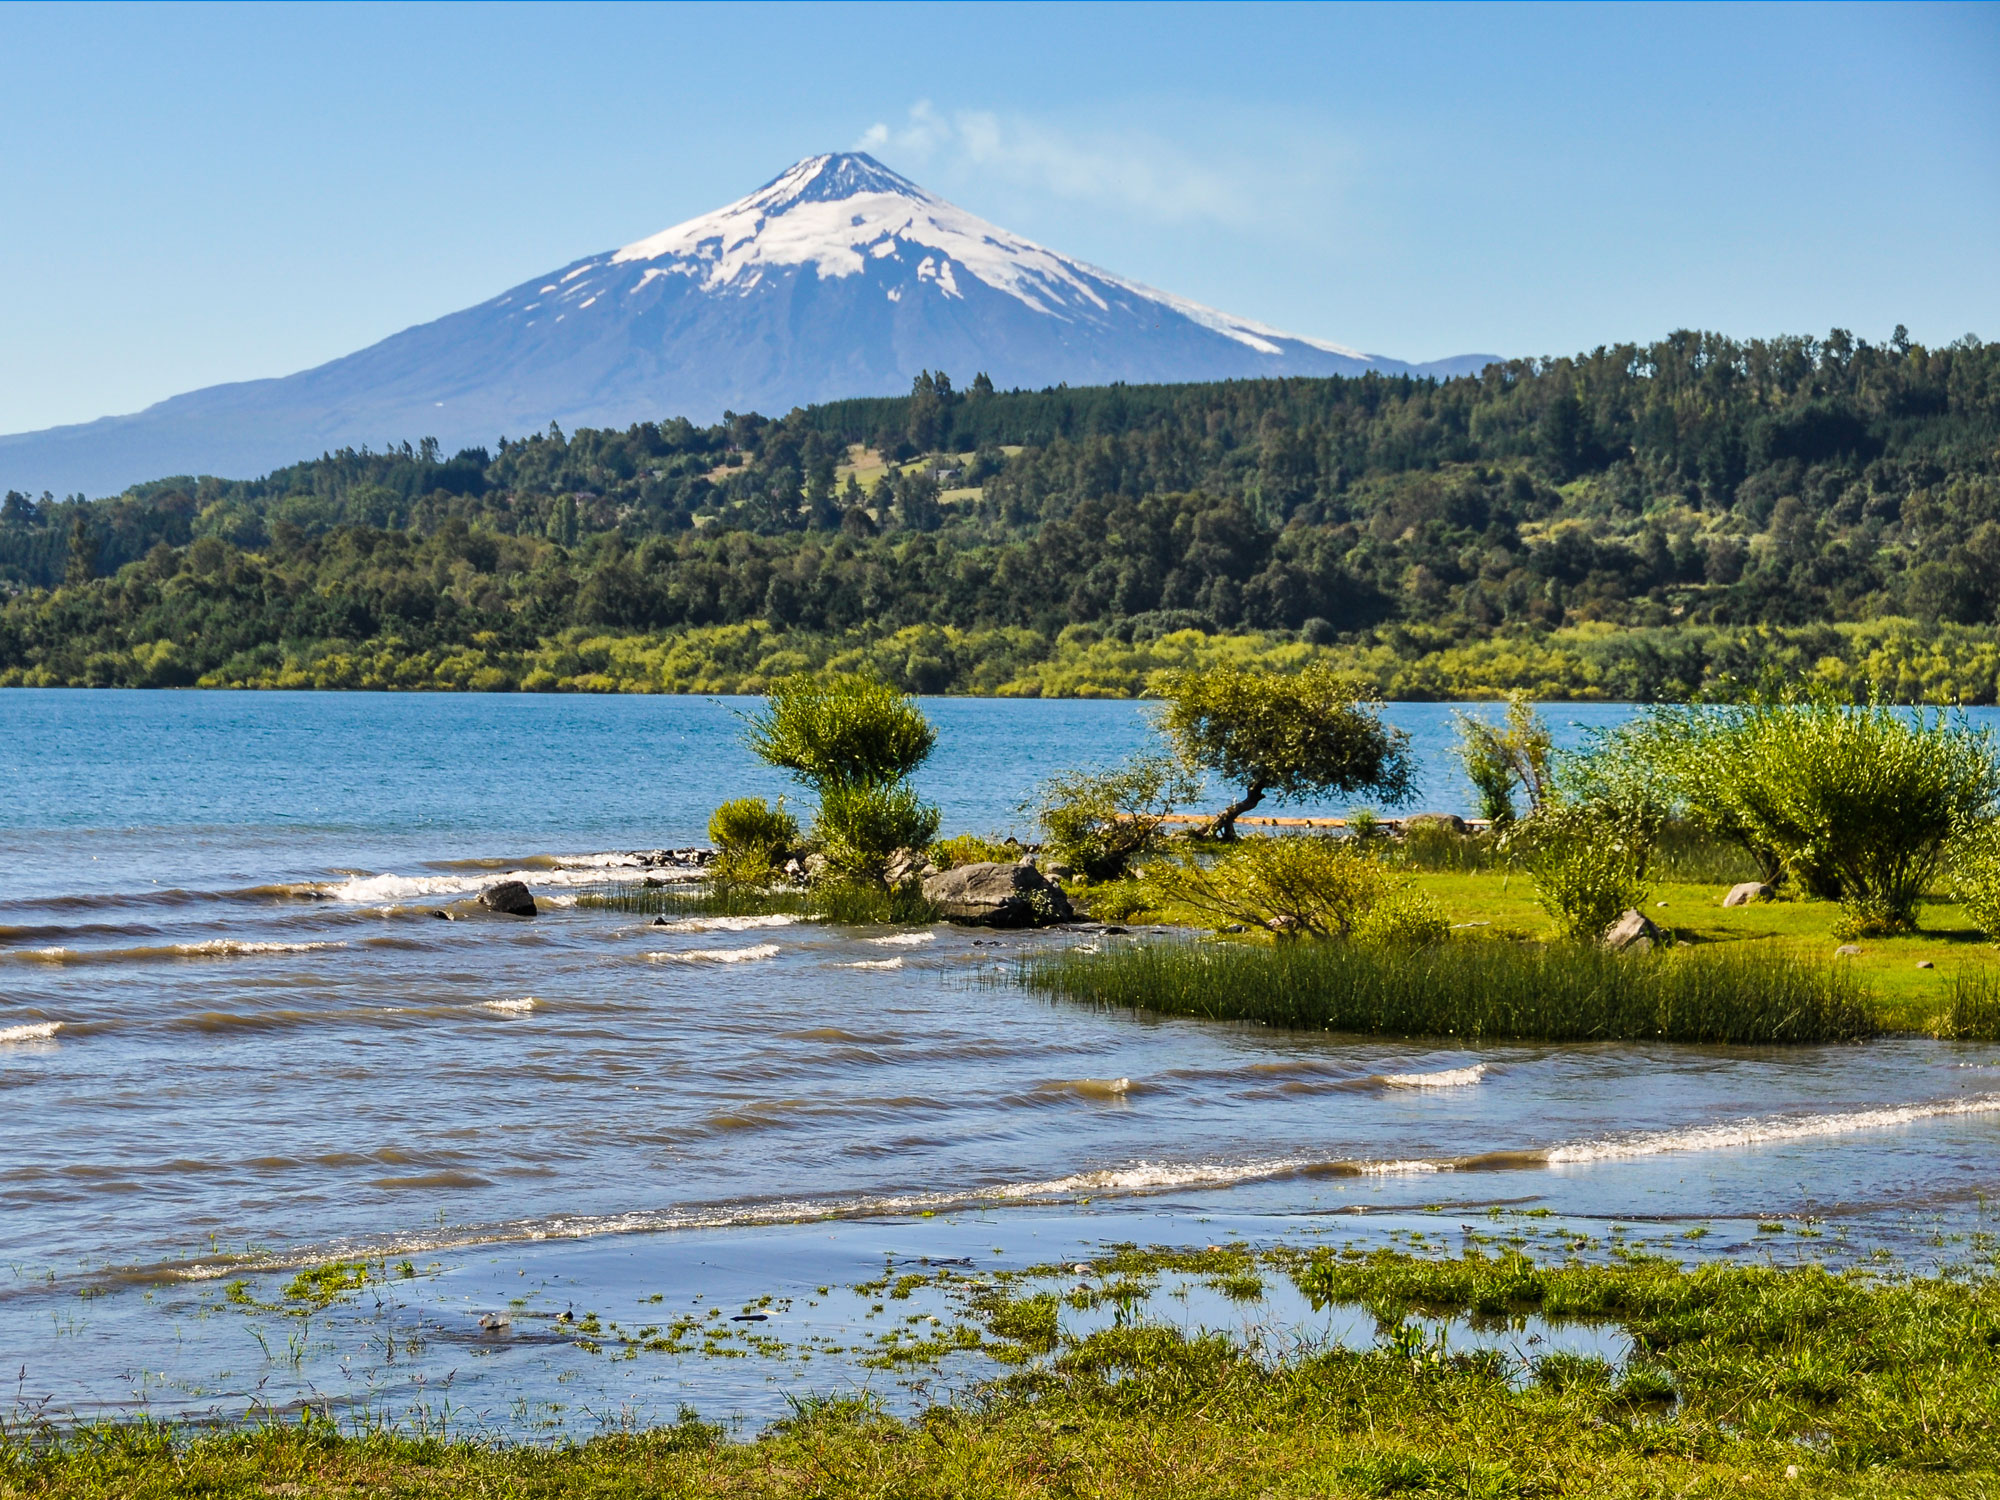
847	905
1745	1381
1973	1014
1468	987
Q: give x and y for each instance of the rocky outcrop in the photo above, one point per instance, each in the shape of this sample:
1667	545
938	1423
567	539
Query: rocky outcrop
907	864
510	898
996	895
1448	822
1747	892
1632	933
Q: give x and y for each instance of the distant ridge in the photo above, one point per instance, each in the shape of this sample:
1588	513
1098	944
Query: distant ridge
836	278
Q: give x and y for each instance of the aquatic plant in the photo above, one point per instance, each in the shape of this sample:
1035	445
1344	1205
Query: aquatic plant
1311	734
1973	1012
1469	988
1098	822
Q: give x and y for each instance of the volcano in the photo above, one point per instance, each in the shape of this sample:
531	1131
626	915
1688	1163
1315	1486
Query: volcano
837	278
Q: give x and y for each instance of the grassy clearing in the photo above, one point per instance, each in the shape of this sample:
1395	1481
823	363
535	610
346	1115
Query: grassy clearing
1469	988
848	905
1745	1381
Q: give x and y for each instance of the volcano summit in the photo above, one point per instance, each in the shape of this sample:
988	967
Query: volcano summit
837	278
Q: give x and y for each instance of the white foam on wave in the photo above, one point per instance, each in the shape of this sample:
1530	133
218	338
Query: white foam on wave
1759	1132
718	955
380	890
874	963
1446	1078
213	948
725	924
518	1007
232	948
37	1031
905	939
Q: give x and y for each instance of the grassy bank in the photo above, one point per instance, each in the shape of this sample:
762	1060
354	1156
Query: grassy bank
1742	1381
1469	988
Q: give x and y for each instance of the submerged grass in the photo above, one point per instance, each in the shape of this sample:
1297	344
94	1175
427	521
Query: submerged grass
848	905
1743	1381
1470	988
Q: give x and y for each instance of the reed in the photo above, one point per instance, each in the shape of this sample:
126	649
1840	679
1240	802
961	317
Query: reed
1974	1012
1469	988
843	905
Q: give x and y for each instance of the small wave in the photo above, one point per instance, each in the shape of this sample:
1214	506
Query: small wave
387	890
518	1007
1759	1132
213	948
905	939
1448	1078
873	963
37	1031
1088	1088
718	955
725	924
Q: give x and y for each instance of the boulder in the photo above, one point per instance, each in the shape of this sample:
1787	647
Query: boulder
907	864
1848	950
1631	933
1744	894
996	895
509	897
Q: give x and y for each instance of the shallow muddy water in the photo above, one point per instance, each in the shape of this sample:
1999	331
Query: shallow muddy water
234	1039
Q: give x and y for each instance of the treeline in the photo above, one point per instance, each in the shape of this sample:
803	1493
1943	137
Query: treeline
1687	491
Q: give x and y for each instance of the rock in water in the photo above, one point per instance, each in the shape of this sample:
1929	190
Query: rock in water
907	864
1744	894
1631	933
996	895
509	897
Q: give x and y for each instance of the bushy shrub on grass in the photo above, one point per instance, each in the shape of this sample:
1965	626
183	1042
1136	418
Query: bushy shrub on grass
1098	822
752	839
1588	867
1295	887
1500	757
1469	988
1856	804
1975	876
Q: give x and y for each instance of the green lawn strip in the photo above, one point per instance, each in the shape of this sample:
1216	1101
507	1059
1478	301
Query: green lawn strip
1745	1380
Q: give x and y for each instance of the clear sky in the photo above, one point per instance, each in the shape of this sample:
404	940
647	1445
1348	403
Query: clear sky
191	195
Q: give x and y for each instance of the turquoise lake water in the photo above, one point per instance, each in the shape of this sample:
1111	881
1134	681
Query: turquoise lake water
233	1039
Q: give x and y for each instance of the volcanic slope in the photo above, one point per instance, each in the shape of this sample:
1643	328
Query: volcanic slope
837	278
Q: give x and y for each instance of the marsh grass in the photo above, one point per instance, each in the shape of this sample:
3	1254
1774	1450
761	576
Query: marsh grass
841	904
1470	988
1745	1380
1973	1014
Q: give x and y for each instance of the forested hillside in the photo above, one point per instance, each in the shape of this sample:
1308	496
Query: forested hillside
1633	522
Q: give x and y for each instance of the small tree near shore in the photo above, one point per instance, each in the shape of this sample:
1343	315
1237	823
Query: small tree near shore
1288	737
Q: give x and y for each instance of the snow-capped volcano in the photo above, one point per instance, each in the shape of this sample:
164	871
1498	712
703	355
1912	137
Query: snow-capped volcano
837	278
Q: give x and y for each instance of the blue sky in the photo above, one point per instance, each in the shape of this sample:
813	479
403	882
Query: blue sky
191	195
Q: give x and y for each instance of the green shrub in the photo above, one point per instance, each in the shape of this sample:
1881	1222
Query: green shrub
1499	757
1470	988
1097	822
1308	886
836	729
971	849
859	827
1587	868
1856	804
1315	733
1975	881
1407	919
752	839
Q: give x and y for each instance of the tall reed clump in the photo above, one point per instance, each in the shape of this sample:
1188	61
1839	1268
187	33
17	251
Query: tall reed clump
1476	990
1973	1014
831	901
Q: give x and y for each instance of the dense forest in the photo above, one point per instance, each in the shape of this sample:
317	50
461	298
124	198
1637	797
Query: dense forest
1635	522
